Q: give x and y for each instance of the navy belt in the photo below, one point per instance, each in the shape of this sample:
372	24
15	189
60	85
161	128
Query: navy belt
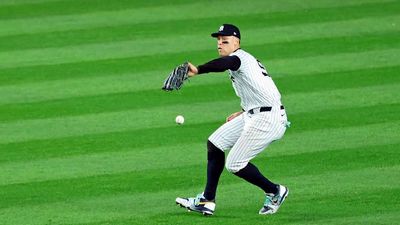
264	109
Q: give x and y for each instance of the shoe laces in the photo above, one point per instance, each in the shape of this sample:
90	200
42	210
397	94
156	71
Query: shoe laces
198	199
271	199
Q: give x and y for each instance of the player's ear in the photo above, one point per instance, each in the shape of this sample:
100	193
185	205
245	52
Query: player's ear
236	41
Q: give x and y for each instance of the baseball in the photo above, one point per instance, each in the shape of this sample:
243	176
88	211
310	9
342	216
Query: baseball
179	119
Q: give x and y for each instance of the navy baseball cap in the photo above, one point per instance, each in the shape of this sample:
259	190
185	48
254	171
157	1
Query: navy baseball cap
227	30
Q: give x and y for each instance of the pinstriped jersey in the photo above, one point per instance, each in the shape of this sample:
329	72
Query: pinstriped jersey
252	83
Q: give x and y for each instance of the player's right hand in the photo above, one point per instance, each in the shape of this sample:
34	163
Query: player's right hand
233	115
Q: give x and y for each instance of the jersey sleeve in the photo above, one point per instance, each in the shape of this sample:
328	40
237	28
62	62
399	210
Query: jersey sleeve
220	65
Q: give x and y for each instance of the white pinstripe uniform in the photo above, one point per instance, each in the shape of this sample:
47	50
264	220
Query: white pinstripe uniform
249	134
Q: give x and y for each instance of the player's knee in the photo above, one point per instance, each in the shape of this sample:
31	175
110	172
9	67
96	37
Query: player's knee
212	148
215	153
233	166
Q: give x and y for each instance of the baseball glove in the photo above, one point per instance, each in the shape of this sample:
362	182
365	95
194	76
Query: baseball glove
176	78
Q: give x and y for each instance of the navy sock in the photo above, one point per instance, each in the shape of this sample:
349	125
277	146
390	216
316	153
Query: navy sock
215	166
251	174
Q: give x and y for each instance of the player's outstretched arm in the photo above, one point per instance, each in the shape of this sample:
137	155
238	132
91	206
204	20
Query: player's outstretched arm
216	65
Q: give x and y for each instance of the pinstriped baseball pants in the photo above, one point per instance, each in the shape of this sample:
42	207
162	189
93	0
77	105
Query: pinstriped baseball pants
247	135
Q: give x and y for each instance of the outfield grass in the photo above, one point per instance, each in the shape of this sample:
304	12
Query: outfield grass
88	137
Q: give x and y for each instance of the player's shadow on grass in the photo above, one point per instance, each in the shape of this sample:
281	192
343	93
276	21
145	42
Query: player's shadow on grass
183	213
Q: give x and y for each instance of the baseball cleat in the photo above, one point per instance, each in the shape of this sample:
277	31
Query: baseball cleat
197	204
273	202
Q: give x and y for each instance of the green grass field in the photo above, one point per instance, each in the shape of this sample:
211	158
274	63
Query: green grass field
88	137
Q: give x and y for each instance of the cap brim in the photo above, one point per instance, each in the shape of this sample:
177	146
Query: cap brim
220	34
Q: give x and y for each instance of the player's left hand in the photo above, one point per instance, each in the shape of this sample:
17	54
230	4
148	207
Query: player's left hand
175	79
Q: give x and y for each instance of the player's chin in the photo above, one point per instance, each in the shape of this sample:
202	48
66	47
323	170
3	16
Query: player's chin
222	54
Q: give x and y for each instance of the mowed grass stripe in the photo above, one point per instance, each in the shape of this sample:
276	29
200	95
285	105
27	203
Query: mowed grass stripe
327	46
23	2
53	90
340	99
187	43
302	132
136	140
218	88
144	159
333	63
380	217
44	8
337	138
136	182
164	13
112	122
50	8
141	206
351	116
195	113
193	26
295	49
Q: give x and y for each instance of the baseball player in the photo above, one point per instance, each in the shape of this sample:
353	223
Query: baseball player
246	133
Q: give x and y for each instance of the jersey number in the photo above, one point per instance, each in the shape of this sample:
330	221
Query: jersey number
263	70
